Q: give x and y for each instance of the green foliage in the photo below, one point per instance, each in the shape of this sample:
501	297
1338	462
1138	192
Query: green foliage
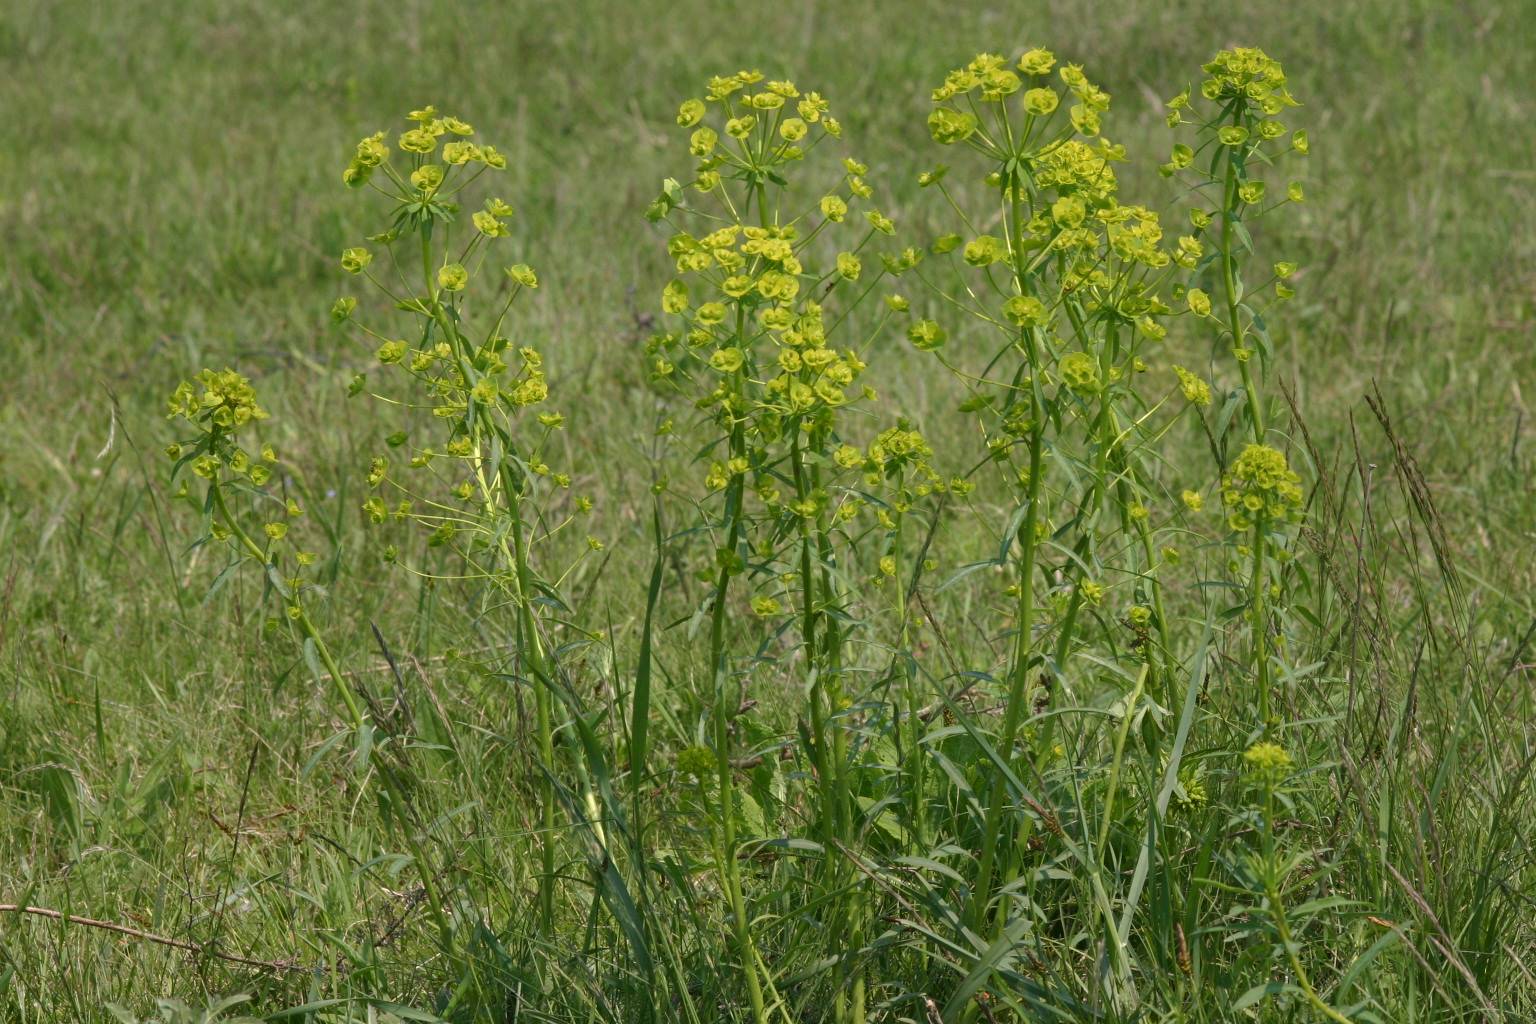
956	651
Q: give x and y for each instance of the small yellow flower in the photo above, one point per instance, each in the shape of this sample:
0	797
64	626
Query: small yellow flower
1269	761
674	297
1037	61
1080	372
487	224
417	140
1041	102
925	335
1194	388
1025	311
727	360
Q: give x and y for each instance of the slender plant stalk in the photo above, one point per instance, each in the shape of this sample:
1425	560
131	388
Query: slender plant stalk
724	708
1028	540
1229	207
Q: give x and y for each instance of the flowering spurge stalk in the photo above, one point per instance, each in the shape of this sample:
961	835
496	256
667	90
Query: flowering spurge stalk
1261	493
899	478
765	286
218	407
1236	132
1072	290
481	486
1267	768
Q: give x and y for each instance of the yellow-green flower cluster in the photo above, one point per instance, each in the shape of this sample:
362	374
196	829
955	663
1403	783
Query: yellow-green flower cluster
758	125
471	378
1134	233
1069	187
224	399
1249	74
1079	195
1268	761
1190	793
898	457
1080	372
421	141
1248	89
1194	388
753	281
992	78
750	323
492	381
1260	486
219	404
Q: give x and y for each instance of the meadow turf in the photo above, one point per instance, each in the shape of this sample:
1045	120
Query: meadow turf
170	198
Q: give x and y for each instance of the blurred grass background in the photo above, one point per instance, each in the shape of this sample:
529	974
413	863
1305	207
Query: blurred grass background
170	197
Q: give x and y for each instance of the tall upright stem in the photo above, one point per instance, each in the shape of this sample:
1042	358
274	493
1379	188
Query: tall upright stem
1229	205
538	667
1260	630
724	707
1024	618
510	479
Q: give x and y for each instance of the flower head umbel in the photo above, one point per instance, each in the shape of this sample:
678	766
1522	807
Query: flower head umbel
220	404
1069	277
1235	119
1267	761
1260	487
1249	75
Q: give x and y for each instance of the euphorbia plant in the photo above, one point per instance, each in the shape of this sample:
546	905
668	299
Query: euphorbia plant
1234	118
768	276
482	485
1071	288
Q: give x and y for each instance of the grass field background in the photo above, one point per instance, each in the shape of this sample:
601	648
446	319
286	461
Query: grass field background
170	198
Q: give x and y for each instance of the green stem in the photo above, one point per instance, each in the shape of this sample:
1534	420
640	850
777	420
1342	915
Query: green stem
510	478
1118	762
1229	206
1260	630
1024	619
916	787
723	711
538	667
1277	915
